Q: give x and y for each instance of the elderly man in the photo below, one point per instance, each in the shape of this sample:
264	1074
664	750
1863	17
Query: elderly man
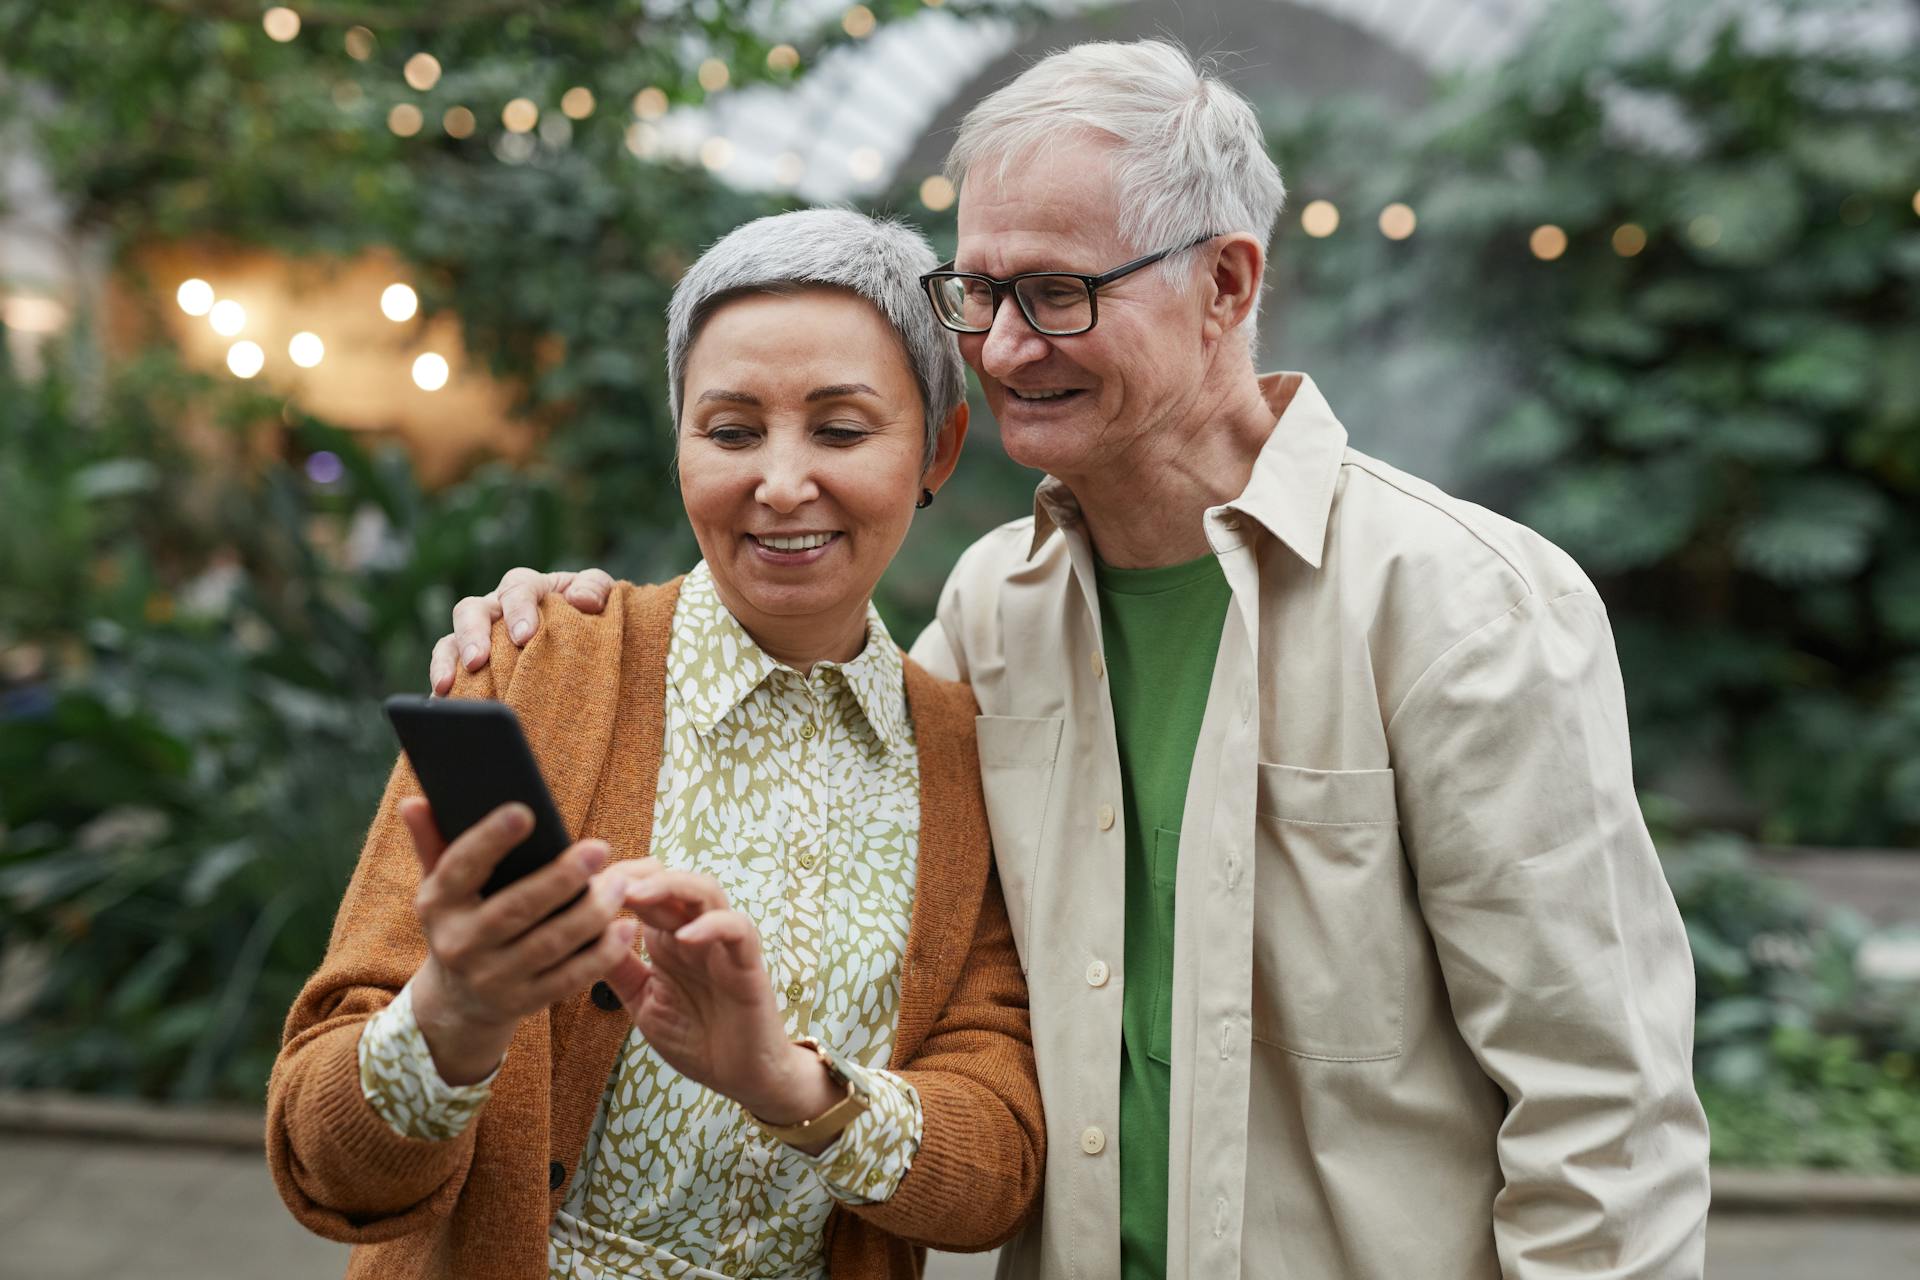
1310	790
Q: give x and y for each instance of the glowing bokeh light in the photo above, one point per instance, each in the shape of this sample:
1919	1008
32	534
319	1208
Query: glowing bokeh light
430	371
227	318
422	71
1397	221
246	359
1320	219
937	193
306	349
195	296
398	302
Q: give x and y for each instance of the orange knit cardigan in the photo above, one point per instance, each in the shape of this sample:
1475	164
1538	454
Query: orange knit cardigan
590	692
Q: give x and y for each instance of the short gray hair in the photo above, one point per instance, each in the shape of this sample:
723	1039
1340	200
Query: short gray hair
1190	161
879	259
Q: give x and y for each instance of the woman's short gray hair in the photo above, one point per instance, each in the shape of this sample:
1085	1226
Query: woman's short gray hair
879	259
1190	159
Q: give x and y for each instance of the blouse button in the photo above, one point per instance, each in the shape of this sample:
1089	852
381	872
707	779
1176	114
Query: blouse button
807	732
806	862
795	990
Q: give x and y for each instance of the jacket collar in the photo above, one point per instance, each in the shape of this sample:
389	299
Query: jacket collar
1290	493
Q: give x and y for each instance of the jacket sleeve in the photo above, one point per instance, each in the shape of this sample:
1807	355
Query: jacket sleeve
1565	959
983	1145
339	1166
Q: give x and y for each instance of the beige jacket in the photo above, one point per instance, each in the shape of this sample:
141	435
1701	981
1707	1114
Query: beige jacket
1432	1004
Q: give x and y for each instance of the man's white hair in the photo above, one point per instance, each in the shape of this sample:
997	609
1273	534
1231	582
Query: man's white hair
1190	159
878	259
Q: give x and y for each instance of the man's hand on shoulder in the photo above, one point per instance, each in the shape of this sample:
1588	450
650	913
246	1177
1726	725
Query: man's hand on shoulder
517	599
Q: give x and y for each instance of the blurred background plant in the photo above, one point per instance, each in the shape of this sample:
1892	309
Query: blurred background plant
1687	245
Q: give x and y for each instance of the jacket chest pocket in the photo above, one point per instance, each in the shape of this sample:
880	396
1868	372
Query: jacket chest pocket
1331	894
1017	755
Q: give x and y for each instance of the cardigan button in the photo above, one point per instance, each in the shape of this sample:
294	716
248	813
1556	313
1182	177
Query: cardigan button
556	1176
604	997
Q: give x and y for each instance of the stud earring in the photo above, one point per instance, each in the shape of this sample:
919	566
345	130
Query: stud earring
926	500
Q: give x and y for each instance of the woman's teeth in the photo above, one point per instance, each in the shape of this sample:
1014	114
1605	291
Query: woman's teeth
805	542
1039	395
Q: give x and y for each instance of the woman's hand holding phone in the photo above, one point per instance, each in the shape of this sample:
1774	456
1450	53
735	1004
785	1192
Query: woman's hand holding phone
493	960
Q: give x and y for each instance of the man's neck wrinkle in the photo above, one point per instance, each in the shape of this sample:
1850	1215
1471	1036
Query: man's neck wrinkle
1145	512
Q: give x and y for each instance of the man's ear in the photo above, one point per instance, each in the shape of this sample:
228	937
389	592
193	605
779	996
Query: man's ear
1238	265
946	449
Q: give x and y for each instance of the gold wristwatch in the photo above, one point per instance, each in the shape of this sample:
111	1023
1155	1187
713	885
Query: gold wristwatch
829	1123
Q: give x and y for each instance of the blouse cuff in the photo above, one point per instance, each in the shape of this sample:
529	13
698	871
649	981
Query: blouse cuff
873	1153
402	1084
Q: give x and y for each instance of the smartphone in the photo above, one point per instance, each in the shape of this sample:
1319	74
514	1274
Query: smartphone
471	758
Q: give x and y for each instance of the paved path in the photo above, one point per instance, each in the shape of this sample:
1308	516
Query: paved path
84	1210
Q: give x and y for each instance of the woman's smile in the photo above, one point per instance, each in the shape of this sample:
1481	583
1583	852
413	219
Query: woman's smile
794	550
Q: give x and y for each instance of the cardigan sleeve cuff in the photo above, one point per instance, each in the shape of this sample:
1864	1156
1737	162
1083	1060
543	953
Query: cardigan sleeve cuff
346	1156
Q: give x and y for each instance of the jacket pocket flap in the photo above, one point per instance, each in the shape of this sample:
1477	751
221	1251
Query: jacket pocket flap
1017	742
1336	797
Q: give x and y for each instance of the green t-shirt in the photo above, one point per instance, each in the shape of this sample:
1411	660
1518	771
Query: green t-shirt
1162	631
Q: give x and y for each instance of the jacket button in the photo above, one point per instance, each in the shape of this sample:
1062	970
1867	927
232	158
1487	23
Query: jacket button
604	997
1092	1141
556	1176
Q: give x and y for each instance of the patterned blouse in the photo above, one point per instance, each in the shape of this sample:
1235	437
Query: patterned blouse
801	795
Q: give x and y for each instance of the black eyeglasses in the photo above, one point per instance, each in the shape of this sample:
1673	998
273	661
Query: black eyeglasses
1056	303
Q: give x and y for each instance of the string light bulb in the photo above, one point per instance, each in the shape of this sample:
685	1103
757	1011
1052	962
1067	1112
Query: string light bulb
246	359
227	317
1547	242
1397	221
713	75
398	303
422	71
306	350
937	193
405	119
195	296
650	103
782	57
520	115
458	122
360	43
1320	219
577	102
1629	238
858	22
280	23
430	371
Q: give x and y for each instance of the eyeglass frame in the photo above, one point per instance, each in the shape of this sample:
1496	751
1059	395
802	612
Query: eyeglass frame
1004	288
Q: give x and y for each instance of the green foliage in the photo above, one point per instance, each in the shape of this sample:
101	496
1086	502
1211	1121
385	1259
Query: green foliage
194	641
1723	427
1800	1059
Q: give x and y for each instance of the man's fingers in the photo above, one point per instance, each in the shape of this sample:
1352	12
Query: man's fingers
589	590
468	861
521	591
427	844
473	630
445	662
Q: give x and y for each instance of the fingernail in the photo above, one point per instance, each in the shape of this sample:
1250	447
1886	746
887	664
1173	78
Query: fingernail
592	858
519	817
521	630
469	654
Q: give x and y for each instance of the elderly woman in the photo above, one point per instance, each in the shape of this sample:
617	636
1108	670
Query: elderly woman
818	1060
